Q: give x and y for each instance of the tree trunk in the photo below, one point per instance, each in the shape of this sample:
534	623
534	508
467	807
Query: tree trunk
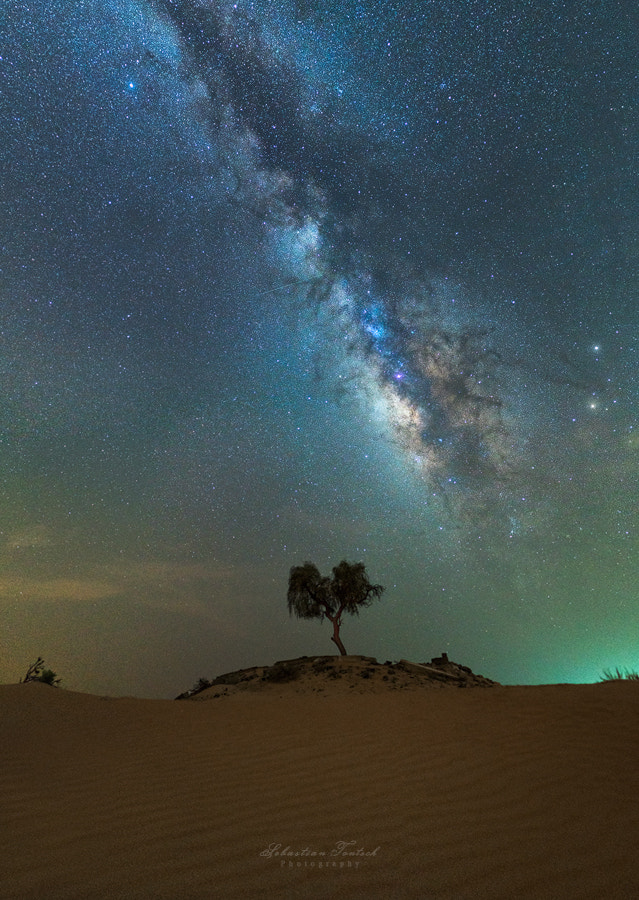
336	638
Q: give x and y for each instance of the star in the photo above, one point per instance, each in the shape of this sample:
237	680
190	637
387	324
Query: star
337	282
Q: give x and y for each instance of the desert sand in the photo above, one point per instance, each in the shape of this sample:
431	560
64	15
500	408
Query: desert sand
321	789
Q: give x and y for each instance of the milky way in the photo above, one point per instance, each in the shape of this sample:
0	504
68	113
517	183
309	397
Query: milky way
341	197
298	280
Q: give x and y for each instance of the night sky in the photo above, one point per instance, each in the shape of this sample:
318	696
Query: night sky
315	280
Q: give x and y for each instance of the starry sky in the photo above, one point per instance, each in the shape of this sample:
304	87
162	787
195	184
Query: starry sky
313	280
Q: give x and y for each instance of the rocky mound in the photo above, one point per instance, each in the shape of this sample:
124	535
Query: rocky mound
350	674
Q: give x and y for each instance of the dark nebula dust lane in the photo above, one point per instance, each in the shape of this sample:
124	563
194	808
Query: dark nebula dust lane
288	281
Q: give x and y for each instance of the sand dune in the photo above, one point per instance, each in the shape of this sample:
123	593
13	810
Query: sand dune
501	792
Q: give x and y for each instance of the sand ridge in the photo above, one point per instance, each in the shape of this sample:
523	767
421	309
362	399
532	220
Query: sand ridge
526	792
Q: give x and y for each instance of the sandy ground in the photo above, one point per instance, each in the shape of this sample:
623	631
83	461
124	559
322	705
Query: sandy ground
500	792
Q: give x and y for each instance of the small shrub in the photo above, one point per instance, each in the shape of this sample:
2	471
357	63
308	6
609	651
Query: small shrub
619	675
37	672
322	665
282	673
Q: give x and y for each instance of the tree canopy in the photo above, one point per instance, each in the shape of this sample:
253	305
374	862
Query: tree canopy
312	595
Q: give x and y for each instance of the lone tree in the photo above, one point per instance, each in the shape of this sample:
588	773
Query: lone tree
315	596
